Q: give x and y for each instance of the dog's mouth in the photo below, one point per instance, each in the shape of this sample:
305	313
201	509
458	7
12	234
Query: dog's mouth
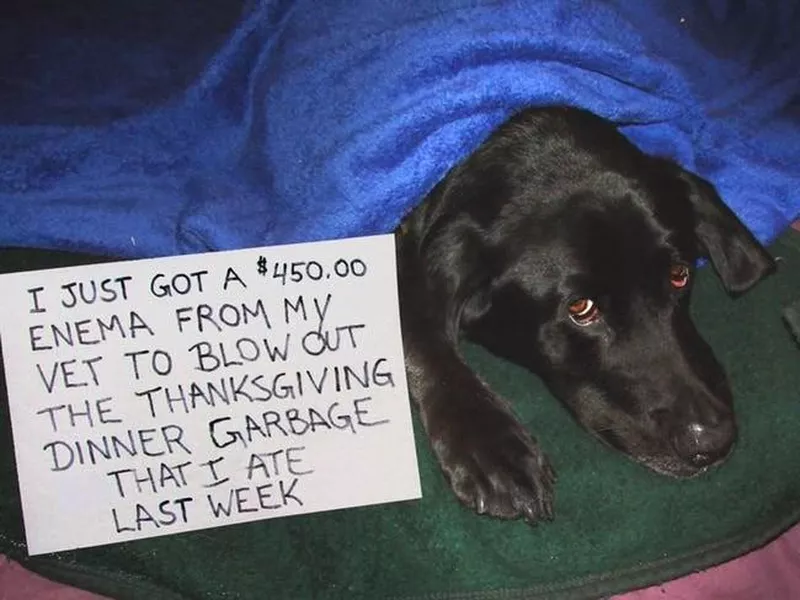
660	456
691	434
675	467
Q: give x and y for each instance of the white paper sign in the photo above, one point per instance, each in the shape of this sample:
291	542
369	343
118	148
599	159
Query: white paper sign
160	396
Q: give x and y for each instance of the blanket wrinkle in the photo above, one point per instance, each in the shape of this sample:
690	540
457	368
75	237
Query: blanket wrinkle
238	124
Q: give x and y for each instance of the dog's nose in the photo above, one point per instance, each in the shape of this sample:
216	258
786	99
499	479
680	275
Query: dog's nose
702	445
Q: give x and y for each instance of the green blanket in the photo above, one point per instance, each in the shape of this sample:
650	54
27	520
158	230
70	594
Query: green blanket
618	526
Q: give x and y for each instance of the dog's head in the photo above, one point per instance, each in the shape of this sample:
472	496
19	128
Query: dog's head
577	260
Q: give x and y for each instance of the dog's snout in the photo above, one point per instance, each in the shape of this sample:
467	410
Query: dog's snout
702	444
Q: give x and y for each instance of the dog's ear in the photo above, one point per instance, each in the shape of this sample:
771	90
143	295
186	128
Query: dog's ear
736	255
449	244
456	264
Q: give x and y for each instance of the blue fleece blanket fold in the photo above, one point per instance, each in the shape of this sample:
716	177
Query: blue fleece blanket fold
143	128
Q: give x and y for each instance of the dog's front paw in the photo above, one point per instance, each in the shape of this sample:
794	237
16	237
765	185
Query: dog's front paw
494	466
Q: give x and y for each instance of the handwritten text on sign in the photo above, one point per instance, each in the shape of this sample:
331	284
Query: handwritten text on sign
167	395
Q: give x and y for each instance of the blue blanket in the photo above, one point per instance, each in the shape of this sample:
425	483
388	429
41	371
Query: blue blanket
146	127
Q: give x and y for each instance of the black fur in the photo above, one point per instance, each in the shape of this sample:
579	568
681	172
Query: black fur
557	206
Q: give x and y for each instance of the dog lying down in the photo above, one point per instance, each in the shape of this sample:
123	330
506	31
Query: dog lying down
560	246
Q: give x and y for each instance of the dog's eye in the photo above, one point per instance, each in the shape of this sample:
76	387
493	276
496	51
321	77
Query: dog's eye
679	276
583	311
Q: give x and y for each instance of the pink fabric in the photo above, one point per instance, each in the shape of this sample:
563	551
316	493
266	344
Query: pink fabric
772	572
17	583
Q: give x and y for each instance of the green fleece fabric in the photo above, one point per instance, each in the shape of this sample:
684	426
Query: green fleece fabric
618	526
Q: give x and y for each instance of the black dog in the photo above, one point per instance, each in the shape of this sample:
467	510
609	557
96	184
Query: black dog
562	247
